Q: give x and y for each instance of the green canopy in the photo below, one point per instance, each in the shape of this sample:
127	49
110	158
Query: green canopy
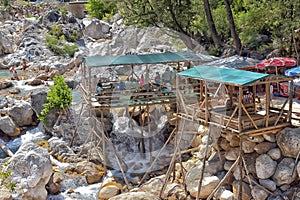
168	57
223	75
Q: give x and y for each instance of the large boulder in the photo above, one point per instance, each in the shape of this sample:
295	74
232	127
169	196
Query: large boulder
288	141
38	99
21	113
95	28
208	183
31	170
265	166
285	173
8	127
5	84
135	196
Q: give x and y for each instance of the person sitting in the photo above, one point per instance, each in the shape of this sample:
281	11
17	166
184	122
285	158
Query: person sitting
157	79
142	81
99	88
122	86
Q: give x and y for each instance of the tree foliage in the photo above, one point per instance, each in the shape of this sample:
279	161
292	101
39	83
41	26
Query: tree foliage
101	9
253	19
59	97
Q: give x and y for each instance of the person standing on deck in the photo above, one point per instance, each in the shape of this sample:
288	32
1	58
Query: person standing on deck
166	77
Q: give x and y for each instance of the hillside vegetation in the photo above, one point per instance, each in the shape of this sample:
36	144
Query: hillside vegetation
270	27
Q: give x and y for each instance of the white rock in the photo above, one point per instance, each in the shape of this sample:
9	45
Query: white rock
284	172
227	195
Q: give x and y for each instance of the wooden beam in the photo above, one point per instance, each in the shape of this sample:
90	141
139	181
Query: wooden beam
265	129
232	115
245	110
280	113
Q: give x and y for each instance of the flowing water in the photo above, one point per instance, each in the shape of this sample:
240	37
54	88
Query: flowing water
128	139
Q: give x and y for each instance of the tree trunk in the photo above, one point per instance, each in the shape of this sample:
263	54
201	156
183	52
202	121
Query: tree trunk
234	35
211	24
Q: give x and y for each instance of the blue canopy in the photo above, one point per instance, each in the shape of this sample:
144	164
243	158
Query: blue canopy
293	71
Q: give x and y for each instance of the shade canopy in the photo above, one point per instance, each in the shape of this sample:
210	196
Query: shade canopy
223	75
277	62
293	71
156	58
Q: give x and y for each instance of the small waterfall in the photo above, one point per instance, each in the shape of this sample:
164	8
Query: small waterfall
127	137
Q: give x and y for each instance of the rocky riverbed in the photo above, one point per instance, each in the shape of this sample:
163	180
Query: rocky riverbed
54	163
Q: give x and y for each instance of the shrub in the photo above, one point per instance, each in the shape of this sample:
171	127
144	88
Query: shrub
59	97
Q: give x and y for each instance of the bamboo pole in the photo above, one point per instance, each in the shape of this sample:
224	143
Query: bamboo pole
158	154
103	142
203	165
245	110
172	160
233	166
187	150
281	112
267	104
291	101
262	130
240	109
201	90
232	115
218	89
142	133
149	134
206	103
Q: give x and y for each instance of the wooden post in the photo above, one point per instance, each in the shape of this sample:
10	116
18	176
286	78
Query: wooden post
291	92
89	90
240	108
254	97
230	92
206	103
103	141
268	99
149	134
201	90
142	134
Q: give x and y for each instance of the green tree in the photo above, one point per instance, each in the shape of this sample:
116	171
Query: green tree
59	98
101	9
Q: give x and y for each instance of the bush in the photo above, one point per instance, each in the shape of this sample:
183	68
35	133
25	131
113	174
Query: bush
59	97
56	42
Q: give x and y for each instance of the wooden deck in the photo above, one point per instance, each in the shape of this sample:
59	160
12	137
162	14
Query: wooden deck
250	124
126	98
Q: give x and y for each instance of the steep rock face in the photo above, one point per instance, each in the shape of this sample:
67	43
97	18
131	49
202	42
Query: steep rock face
6	45
31	170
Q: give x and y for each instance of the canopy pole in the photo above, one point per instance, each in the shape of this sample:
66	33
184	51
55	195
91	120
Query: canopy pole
291	101
268	103
206	103
240	109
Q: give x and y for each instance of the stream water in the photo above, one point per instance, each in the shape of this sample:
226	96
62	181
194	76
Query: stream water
136	146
